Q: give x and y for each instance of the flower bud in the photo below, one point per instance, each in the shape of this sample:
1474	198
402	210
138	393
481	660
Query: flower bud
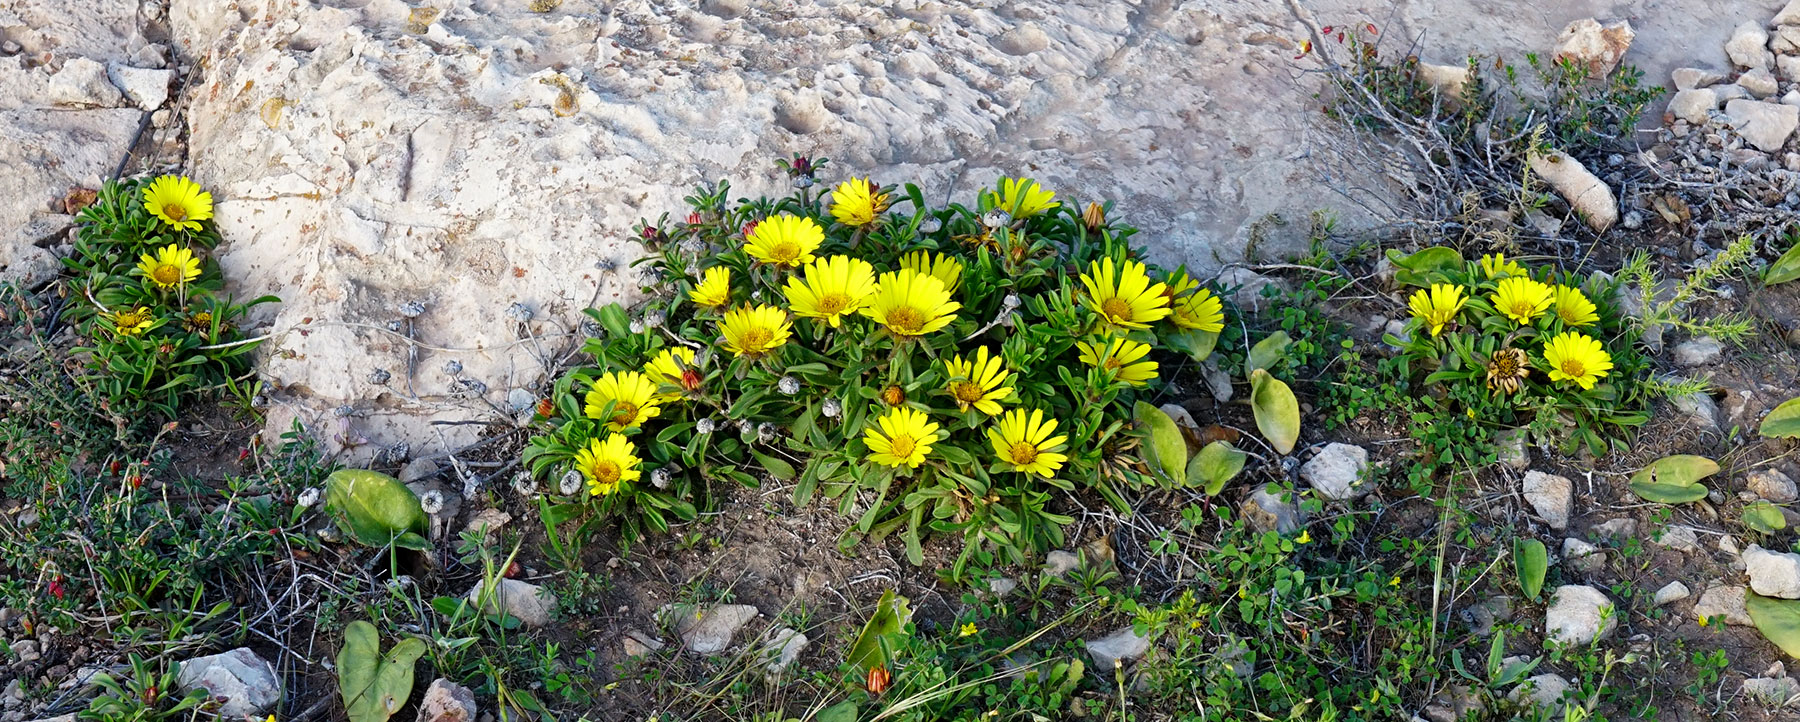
893	396
704	426
307	498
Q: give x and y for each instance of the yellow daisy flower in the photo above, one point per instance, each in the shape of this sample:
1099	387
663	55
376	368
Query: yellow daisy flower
632	395
177	201
940	266
1576	358
754	331
170	267
1521	299
1024	443
903	438
1178	284
835	287
1495	265
1574	308
785	240
979	384
856	202
1200	311
673	367
1122	358
909	303
133	322
1124	297
714	288
1438	308
607	464
1021	197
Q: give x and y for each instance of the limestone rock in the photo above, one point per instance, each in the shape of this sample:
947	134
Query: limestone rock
1336	471
1482	617
248	684
1599	47
1113	650
488	522
1724	603
1670	593
1590	197
1583	556
1788	67
1248	288
1579	614
785	646
1449	81
447	701
1785	40
1789	15
1551	496
1618	529
1730	92
1772	485
1693	105
1760	82
1749	46
1700	410
1766	125
1680	538
82	83
1773	574
640	644
1773	692
1059	562
1511	445
1703	351
709	629
1695	78
530	603
146	88
1267	510
1544	691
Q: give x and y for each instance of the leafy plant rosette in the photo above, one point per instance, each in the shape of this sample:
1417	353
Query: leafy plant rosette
150	300
1522	344
928	369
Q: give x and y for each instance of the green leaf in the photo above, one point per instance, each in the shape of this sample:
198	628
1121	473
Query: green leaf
1674	479
1783	422
844	711
375	685
1277	411
1168	451
884	632
1764	517
1784	269
776	467
1777	619
1197	344
371	507
1425	267
1531	561
1267	352
1216	464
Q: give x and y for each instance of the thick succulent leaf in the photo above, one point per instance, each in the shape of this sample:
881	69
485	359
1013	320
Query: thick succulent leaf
1197	344
844	711
1425	267
884	632
373	508
375	685
1777	619
1764	517
1267	352
1531	561
1783	422
1216	464
1674	479
1277	411
1784	269
1167	450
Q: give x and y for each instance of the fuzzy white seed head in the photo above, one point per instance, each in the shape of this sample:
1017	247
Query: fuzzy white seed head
660	478
832	408
571	483
523	484
308	498
432	502
788	385
704	426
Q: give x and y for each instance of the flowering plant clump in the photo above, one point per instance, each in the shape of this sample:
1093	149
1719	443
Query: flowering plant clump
1531	341
149	299
929	369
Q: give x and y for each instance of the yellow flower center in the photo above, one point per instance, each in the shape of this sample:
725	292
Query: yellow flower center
1521	309
1116	308
166	274
966	392
902	446
1112	364
784	252
756	338
606	472
175	211
624	413
1022	453
833	303
1573	367
906	320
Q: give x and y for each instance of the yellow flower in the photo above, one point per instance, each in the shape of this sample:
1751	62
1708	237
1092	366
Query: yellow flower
754	331
1304	538
1200	311
674	367
178	202
133	322
170	267
1507	370
785	240
835	287
968	630
1021	197
909	303
1024	443
1122	358
607	464
904	438
200	321
940	266
1124	297
1576	358
855	202
1495	265
714	288
1574	308
978	383
1178	284
1394	582
1521	299
1437	309
632	395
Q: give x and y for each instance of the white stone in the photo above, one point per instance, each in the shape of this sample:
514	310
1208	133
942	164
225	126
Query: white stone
1699	409
1059	562
1785	40
1760	82
1772	485
447	701
1703	351
1693	105
1551	496
1271	508
640	644
785	646
1680	538
1618	529
1695	78
82	83
1729	545
1113	650
1670	593
528	602
1788	66
1592	200
1724	603
1789	15
1749	46
1544	691
1730	92
1511	449
248	684
1773	574
709	629
146	88
1579	614
1583	556
1773	692
1449	81
1336	472
488	522
1599	47
1766	125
